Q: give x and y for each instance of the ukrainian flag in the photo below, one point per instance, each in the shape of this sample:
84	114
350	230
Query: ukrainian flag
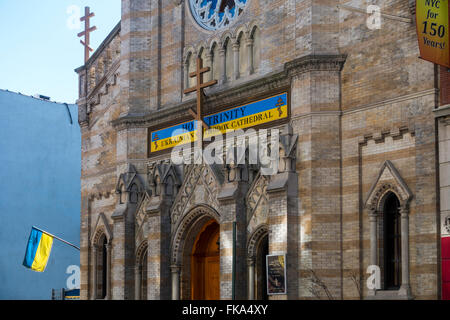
38	250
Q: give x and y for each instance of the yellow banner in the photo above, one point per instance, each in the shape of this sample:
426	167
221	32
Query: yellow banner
241	123
432	30
245	116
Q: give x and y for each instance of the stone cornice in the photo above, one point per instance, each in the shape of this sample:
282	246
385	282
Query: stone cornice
218	99
443	113
315	63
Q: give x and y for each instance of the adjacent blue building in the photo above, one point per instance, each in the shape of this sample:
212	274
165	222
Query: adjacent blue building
40	164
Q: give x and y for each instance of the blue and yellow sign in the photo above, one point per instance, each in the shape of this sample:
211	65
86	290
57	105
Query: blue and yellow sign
246	116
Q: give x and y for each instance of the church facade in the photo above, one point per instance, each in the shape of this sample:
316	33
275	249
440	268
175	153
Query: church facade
363	176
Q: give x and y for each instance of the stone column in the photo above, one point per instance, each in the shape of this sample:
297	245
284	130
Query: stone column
373	237
373	243
95	272
251	278
283	226
186	75
108	271
175	282
137	281
405	287
123	253
249	44
317	118
208	63
158	238
236	47
223	64
231	199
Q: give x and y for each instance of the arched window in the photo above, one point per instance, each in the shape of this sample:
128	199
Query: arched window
215	62
229	66
101	265
141	272
392	242
134	194
169	186
104	267
191	66
144	276
256	36
243	52
205	62
157	186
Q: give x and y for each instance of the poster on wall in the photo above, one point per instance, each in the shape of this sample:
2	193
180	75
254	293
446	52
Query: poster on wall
276	274
432	31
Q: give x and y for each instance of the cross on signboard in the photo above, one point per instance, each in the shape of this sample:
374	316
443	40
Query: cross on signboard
199	89
279	104
86	33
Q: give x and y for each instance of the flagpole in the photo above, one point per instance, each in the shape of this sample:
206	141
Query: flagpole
57	238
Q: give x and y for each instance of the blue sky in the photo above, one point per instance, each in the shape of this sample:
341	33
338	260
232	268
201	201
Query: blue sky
40	49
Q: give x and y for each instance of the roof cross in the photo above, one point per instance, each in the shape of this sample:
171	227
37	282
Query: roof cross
86	33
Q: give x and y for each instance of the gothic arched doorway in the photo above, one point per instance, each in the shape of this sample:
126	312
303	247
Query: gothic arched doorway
205	263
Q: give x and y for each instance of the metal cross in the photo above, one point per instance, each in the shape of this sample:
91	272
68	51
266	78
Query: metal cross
199	89
86	33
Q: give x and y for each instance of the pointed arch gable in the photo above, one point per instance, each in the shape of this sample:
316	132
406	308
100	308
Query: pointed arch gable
201	180
141	218
255	194
388	180
101	228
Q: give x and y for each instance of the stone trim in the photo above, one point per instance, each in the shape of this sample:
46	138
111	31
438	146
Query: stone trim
101	227
194	173
182	229
255	194
405	97
141	251
380	189
380	136
443	113
254	239
222	97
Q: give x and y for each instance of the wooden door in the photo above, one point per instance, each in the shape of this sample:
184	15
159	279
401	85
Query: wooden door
212	278
205	264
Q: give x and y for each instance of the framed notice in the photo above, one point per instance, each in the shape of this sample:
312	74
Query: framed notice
276	274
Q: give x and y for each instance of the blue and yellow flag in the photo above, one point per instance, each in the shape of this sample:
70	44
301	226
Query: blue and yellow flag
38	250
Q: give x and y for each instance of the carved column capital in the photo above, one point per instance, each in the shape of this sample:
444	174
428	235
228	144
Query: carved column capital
404	212
249	42
175	268
373	214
